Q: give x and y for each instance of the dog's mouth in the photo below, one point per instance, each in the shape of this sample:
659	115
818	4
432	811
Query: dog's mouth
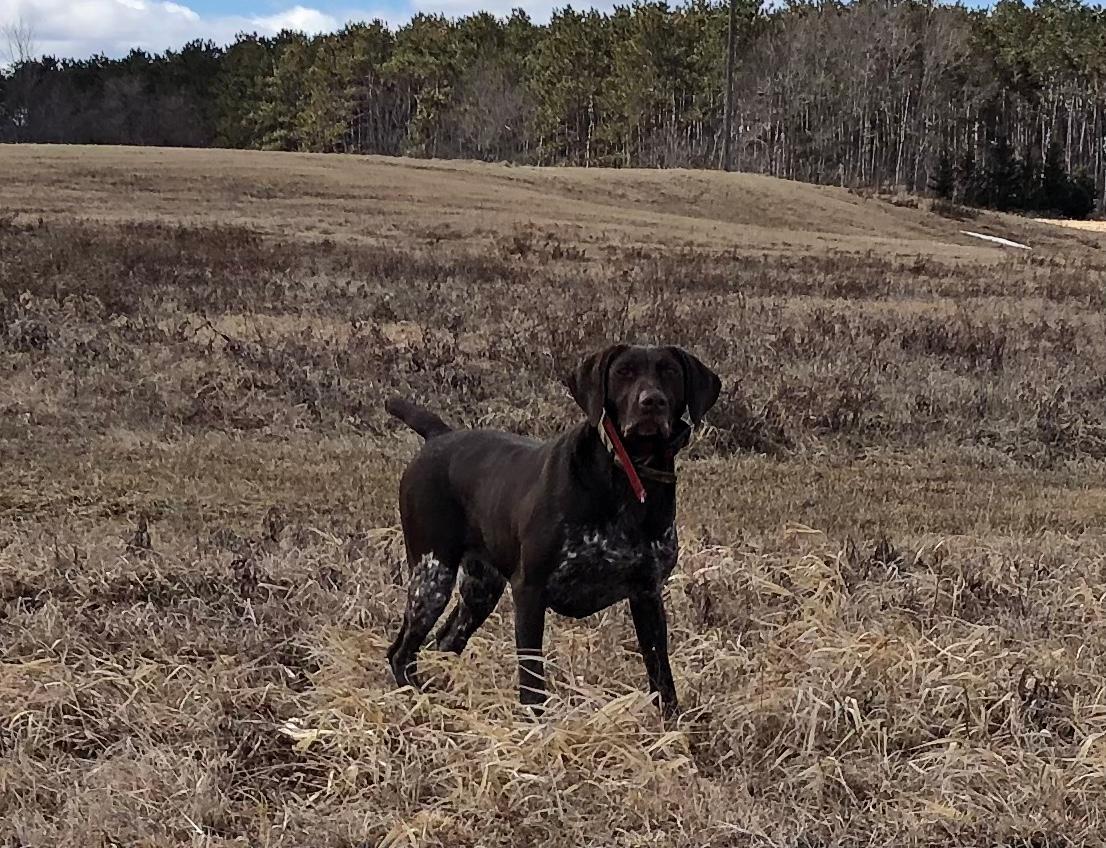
648	429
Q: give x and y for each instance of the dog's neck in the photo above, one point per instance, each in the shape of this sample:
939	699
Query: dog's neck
658	466
609	498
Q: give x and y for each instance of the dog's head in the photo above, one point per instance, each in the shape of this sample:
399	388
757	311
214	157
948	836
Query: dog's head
645	389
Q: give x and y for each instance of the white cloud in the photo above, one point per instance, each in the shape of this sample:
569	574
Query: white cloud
80	28
297	18
84	27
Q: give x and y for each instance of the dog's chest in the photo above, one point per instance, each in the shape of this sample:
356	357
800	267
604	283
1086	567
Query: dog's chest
597	567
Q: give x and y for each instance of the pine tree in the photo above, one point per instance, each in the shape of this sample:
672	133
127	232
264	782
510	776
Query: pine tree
237	90
1030	188
853	92
942	182
1054	181
969	182
276	115
1080	197
324	107
1001	186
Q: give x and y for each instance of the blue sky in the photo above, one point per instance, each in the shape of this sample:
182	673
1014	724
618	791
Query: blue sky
78	28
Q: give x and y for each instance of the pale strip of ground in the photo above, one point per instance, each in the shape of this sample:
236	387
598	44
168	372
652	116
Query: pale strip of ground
1085	226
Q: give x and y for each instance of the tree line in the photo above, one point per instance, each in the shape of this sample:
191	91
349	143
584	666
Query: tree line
1002	106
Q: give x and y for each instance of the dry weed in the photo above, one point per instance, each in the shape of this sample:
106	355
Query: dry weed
887	624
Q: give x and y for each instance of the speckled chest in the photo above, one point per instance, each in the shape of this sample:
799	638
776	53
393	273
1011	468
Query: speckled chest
597	567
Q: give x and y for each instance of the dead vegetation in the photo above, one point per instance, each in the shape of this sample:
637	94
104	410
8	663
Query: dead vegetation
887	621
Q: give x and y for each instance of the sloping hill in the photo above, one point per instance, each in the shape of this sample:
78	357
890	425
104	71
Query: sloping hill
375	198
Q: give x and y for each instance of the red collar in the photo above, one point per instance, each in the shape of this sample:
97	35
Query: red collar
607	428
608	434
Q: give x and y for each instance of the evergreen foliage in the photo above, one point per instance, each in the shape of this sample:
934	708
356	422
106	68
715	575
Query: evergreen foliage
1001	107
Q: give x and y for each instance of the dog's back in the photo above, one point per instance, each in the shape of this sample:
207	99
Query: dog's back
479	472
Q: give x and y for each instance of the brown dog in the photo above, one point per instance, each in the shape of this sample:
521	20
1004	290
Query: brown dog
574	524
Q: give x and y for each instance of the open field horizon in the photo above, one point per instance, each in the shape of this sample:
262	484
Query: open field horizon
371	199
888	617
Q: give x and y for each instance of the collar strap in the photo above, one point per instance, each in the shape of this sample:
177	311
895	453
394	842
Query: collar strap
656	475
608	435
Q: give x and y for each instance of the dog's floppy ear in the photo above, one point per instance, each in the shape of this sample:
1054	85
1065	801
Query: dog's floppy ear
701	385
588	383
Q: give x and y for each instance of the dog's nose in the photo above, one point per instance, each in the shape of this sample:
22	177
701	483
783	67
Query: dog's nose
651	400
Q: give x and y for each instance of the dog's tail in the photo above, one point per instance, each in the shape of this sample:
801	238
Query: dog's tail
422	421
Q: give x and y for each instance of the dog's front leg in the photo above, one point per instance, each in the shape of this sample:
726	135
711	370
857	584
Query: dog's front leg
650	622
529	634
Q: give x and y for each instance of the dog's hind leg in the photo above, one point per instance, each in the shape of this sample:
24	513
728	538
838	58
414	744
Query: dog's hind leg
432	578
481	588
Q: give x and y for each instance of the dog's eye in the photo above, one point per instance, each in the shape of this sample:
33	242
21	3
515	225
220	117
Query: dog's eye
666	367
625	371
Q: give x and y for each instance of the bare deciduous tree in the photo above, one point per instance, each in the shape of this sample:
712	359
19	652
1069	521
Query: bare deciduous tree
19	40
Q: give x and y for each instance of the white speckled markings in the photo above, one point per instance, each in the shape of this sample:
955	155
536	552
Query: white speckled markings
599	567
431	585
427	596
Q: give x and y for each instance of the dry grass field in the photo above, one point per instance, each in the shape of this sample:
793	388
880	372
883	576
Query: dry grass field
889	622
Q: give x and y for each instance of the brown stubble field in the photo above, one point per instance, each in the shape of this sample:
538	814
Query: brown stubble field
888	620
